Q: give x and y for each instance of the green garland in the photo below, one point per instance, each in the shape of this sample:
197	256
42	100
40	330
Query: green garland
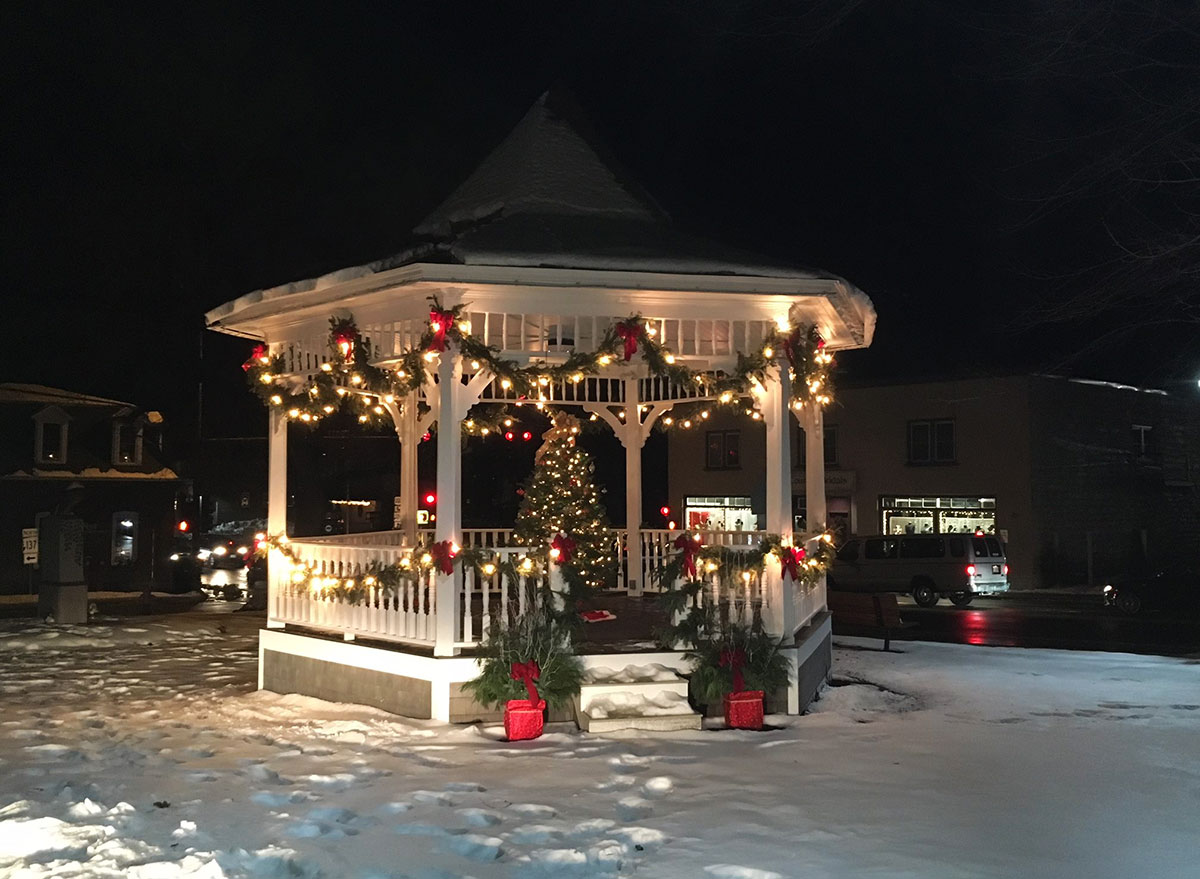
348	378
690	620
390	578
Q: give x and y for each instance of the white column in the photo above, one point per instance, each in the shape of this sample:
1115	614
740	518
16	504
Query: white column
277	452
774	398
814	480
409	436
449	494
814	463
775	403
632	438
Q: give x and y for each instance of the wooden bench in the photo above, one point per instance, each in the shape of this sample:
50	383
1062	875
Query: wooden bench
877	611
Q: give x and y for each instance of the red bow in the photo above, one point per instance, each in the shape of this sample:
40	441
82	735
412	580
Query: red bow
344	336
689	545
443	556
629	332
527	672
565	546
734	660
439	322
256	357
790	343
792	557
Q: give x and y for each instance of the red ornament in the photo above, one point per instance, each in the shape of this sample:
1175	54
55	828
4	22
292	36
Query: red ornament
790	343
689	545
734	660
443	554
527	673
256	357
629	331
792	557
565	546
439	323
744	710
524	720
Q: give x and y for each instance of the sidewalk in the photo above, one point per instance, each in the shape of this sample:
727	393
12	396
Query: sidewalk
109	603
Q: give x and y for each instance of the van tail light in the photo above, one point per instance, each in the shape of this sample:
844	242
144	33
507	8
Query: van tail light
1006	570
970	570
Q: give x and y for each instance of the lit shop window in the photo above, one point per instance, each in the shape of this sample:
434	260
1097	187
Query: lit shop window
124	538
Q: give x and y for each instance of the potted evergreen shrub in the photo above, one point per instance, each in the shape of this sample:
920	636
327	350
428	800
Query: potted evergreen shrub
737	663
526	663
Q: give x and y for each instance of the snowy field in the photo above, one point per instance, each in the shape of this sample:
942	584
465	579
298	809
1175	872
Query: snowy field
140	749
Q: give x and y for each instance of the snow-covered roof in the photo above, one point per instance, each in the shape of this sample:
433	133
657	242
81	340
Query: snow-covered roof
550	197
15	392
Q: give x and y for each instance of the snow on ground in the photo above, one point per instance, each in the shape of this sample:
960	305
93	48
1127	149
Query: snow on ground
142	750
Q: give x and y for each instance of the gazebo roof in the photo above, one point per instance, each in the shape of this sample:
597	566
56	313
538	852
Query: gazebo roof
549	196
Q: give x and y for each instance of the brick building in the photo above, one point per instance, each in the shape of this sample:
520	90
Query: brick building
1084	479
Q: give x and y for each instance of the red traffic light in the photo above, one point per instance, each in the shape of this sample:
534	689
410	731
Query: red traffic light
665	510
508	435
431	499
184	525
527	436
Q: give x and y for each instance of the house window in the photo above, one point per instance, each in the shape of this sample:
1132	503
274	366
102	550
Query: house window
52	443
723	450
127	443
124	538
931	441
1144	446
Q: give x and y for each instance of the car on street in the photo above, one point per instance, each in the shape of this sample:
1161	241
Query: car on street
1175	590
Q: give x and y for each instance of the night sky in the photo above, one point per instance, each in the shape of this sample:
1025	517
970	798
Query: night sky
973	171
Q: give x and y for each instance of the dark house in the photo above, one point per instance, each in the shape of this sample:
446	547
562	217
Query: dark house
102	459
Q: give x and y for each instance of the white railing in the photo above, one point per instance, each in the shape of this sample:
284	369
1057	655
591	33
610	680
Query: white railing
470	537
407	614
484	598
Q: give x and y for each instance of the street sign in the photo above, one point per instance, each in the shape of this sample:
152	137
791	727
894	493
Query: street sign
29	545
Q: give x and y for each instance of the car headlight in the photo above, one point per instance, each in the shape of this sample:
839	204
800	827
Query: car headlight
174	556
203	554
242	550
1108	587
219	550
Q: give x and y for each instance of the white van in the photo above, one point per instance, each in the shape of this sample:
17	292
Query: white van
928	566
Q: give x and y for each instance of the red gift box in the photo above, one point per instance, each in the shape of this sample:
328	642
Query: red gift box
744	710
524	719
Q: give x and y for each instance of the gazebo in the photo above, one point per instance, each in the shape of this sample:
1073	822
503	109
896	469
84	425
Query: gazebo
534	265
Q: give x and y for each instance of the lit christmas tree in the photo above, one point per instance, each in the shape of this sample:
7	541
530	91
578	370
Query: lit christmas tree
562	512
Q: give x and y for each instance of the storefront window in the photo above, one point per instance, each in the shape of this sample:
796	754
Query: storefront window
719	514
938	515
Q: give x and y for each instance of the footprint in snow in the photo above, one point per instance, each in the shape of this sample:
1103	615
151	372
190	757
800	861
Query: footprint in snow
733	871
480	817
264	775
638	839
475	847
465	787
536	834
658	786
533	810
633	809
200	776
628	763
418	828
431	798
617	782
395	808
593	827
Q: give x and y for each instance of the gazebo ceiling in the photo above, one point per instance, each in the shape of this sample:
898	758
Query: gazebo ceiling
549	209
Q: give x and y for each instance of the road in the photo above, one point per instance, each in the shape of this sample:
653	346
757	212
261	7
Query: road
1072	622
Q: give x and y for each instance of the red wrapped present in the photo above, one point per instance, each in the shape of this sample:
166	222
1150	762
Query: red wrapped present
744	710
524	719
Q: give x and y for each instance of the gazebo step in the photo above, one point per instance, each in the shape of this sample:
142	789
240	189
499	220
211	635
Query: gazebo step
646	697
641	681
